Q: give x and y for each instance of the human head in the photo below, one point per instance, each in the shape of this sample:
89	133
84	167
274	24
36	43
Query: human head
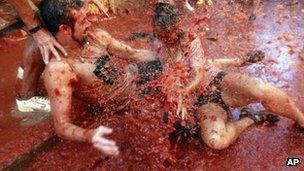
68	15
166	21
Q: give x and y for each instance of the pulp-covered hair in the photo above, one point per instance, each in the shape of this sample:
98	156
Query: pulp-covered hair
165	14
57	12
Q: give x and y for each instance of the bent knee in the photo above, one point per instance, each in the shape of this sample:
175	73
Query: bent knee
217	142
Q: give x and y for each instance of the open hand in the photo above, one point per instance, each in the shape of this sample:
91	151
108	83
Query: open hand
108	147
47	45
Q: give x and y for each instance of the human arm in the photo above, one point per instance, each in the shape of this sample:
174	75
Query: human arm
227	62
196	66
59	78
45	41
194	82
120	49
250	58
26	11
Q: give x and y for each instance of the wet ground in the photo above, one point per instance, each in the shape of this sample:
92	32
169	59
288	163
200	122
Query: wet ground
278	31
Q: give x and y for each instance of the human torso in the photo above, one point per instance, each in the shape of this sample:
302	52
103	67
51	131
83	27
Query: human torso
103	80
180	60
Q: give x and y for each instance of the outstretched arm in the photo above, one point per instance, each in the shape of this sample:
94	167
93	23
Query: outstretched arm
250	58
58	78
227	62
196	60
59	89
120	49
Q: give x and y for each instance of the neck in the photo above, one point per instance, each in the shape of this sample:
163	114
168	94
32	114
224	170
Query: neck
175	39
67	41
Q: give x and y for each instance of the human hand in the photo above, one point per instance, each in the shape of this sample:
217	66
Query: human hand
181	109
254	56
48	44
108	147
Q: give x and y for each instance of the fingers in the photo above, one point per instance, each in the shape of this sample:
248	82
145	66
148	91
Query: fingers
103	130
63	51
47	44
107	150
55	53
46	56
45	52
104	141
107	146
42	53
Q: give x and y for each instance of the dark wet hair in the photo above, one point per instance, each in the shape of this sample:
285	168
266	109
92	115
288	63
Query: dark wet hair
165	14
57	12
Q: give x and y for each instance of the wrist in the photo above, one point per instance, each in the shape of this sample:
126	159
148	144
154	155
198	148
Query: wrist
35	29
243	61
89	135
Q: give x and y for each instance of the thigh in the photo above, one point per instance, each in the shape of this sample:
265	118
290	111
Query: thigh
240	90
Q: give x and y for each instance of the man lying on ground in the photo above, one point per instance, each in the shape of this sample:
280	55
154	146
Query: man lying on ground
89	72
222	90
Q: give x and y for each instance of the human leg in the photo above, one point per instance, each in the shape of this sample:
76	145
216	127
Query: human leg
33	68
240	90
216	131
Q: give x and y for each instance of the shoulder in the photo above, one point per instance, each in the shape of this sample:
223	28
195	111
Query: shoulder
190	40
101	33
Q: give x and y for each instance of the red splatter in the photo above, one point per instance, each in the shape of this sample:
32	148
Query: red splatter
57	92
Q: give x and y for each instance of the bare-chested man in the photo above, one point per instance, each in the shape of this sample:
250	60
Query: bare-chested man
88	72
222	89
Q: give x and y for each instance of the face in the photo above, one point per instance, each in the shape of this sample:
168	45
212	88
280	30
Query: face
167	35
81	24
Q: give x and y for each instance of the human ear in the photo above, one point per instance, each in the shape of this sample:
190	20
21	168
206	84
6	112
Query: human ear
65	29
